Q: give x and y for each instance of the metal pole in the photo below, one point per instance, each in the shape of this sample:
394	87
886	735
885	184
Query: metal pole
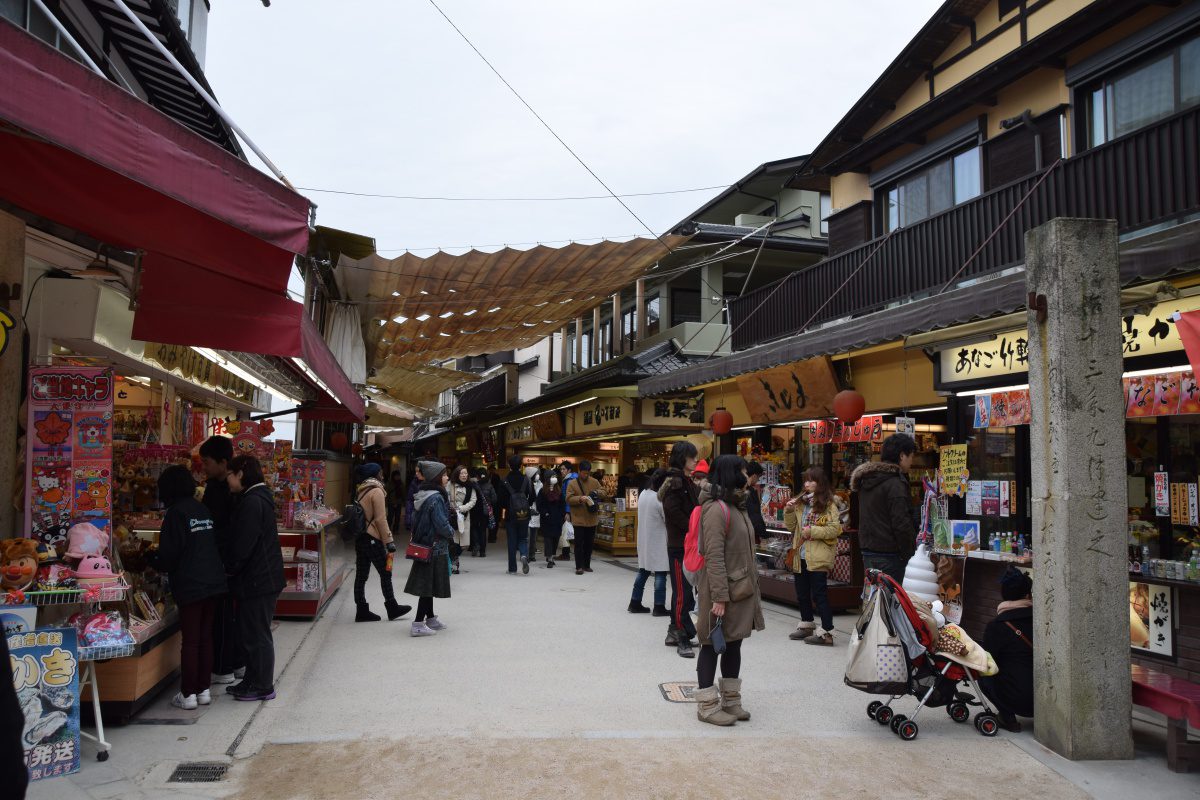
187	76
66	35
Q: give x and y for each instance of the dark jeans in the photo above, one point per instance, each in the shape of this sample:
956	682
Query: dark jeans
660	586
424	608
371	552
585	542
254	625
227	645
479	538
812	588
518	540
706	664
196	660
550	538
682	599
890	563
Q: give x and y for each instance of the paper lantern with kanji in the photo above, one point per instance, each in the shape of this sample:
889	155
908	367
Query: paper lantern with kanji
338	441
848	406
721	421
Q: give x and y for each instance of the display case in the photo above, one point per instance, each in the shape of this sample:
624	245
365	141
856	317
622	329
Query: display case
776	581
315	562
616	531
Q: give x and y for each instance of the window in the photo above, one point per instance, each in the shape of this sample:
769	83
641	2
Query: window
934	189
1143	95
685	306
826	210
652	325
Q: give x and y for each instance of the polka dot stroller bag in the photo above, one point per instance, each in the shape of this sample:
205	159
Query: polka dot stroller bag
877	663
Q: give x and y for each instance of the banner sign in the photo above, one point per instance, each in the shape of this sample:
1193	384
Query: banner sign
801	390
1150	624
684	411
45	673
68	451
1163	395
1162	501
1002	409
832	431
953	473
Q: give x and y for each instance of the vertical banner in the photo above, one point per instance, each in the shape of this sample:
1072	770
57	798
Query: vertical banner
68	451
1162	500
45	673
1004	498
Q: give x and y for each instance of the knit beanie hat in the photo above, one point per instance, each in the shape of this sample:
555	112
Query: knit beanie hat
431	470
368	470
1015	584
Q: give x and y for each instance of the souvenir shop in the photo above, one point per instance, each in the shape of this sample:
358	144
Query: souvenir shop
984	498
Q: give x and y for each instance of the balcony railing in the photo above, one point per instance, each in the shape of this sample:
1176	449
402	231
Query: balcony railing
1149	177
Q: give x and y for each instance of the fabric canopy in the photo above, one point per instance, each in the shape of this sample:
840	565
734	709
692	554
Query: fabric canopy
419	386
480	303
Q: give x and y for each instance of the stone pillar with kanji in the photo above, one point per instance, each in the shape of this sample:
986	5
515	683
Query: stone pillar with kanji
1082	693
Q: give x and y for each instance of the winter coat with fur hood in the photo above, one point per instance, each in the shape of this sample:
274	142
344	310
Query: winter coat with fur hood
885	519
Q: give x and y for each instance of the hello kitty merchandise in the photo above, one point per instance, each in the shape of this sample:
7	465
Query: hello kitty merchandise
85	539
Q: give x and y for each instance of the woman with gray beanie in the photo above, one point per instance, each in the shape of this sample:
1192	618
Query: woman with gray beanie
431	527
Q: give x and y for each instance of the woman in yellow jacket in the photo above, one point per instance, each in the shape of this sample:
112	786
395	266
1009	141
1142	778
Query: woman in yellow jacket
814	518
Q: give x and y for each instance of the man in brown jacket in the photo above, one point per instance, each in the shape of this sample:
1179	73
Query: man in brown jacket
373	545
584	495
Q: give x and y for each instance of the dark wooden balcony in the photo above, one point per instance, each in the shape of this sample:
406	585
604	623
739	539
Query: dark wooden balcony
1147	178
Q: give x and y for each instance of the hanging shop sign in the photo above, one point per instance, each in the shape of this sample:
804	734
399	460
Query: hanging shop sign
196	368
832	431
1162	500
1002	409
1151	626
548	427
460	443
608	447
605	414
68	452
45	673
1164	395
681	411
1008	353
519	433
794	391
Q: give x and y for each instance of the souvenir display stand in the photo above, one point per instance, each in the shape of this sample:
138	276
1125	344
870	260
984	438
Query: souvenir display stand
314	565
616	531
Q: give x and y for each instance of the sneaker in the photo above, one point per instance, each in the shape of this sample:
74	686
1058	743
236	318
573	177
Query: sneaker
239	673
228	677
421	629
254	694
187	703
237	688
820	637
435	624
636	607
525	564
204	698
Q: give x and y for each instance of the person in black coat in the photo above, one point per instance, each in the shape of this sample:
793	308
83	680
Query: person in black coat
14	774
1009	639
228	662
187	553
256	575
551	515
754	473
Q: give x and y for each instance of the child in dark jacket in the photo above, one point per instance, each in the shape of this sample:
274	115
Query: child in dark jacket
188	554
552	514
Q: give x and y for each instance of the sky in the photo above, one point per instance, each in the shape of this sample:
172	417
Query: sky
383	97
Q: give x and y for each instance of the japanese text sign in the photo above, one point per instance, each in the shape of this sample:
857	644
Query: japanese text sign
45	673
604	414
953	472
832	431
1151	624
801	390
686	411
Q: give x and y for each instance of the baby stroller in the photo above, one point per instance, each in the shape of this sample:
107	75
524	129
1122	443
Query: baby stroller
894	651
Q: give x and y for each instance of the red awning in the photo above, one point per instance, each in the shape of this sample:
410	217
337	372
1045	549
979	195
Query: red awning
219	236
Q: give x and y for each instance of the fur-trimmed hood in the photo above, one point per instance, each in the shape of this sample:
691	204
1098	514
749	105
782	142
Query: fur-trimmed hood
869	475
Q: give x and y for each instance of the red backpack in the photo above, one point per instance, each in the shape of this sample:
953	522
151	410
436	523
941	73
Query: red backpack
693	562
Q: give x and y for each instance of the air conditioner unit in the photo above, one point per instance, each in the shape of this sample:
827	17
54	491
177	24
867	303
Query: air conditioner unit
751	220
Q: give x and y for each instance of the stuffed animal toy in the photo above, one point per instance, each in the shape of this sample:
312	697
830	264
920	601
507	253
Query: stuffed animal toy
18	564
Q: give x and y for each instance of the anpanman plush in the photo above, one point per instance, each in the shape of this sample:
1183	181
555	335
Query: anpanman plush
18	563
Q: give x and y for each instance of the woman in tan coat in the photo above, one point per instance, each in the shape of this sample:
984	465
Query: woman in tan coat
728	590
373	545
814	518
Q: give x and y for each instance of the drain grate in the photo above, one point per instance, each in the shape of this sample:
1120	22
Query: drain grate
199	772
678	691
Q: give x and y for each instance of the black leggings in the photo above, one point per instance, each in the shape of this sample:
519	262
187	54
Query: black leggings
706	664
424	608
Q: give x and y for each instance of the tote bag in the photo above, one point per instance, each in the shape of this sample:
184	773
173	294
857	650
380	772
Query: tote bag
876	662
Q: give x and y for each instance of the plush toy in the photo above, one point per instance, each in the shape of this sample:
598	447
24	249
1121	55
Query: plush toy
18	564
85	539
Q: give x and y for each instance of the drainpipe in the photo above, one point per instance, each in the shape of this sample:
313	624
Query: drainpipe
1026	118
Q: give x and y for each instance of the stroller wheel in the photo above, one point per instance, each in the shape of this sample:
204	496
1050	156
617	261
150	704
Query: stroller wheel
958	712
986	724
883	715
872	707
895	723
908	730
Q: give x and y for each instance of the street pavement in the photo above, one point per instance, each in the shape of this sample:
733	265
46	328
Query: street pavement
544	686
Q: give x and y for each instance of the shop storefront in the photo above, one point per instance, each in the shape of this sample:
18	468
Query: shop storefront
988	507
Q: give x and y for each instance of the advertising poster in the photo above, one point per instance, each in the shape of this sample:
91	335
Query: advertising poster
45	673
1162	499
826	431
1151	626
974	498
1004	499
952	471
906	425
951	571
1193	505
1166	393
990	502
68	451
983	410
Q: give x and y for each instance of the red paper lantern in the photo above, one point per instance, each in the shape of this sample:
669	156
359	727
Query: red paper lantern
848	406
721	421
339	441
356	449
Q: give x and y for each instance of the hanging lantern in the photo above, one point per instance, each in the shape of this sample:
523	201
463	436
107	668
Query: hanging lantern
721	421
848	406
338	441
356	449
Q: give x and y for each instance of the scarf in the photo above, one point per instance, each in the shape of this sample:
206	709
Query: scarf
1009	605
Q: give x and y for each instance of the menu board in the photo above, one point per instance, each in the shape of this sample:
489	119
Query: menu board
1151	626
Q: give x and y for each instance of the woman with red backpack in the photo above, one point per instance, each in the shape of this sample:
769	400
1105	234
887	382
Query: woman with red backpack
727	584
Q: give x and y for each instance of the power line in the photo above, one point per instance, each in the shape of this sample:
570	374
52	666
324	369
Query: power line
508	199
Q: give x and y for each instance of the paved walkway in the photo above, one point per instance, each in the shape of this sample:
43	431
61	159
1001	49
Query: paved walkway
543	686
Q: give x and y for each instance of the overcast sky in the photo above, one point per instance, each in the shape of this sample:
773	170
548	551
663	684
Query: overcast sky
382	96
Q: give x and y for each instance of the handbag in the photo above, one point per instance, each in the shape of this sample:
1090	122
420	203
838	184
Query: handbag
717	636
418	552
876	662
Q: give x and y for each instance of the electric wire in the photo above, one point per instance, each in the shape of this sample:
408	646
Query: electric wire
442	198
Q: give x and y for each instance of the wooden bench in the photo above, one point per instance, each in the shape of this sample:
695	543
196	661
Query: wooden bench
1179	700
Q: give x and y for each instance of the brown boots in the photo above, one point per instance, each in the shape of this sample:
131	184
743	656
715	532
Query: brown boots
721	706
731	698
